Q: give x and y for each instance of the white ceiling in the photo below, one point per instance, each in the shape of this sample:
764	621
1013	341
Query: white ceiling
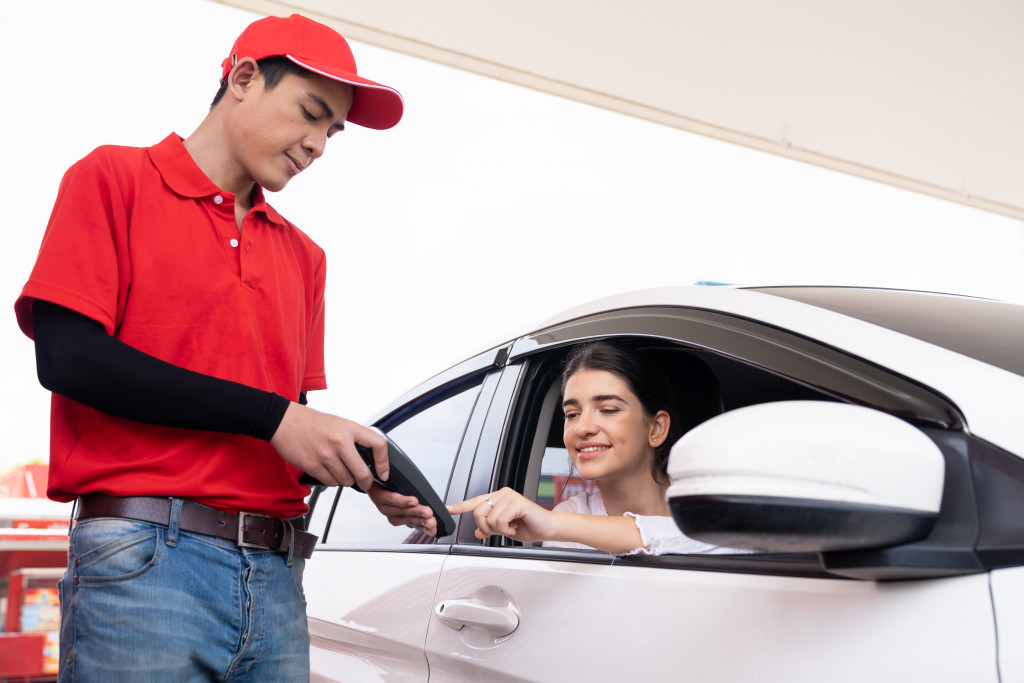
927	95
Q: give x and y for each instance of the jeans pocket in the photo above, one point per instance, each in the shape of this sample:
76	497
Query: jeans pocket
114	549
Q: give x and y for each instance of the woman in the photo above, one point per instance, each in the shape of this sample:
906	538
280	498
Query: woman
618	431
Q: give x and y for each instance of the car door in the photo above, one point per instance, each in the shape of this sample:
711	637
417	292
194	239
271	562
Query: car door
370	586
504	611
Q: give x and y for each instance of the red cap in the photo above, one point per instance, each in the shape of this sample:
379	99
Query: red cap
323	51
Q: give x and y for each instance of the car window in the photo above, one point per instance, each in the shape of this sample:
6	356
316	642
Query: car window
431	437
702	388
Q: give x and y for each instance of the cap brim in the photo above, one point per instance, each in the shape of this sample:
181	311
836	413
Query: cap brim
375	105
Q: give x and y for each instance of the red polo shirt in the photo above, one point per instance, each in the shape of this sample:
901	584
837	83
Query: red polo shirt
143	242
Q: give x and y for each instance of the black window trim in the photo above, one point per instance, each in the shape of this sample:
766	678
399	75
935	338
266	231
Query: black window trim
744	340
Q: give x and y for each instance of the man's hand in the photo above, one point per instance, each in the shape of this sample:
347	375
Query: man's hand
405	510
324	446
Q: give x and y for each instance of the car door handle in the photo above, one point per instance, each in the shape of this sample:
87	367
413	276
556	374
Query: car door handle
497	621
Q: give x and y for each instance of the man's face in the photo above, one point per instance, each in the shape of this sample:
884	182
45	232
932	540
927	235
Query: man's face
282	130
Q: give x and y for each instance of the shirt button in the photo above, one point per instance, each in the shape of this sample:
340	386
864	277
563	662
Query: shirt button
218	200
234	242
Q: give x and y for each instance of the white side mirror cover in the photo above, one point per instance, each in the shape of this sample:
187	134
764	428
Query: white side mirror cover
819	463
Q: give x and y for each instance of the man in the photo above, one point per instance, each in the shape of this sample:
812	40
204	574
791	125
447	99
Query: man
179	319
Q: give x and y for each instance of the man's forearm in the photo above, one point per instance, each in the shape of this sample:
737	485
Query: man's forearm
76	358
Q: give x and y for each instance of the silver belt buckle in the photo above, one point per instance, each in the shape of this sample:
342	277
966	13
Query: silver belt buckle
242	543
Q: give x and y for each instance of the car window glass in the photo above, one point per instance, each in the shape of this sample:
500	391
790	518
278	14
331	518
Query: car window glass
431	438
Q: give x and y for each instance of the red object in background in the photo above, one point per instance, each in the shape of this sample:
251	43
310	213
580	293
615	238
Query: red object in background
21	655
33	554
26	481
36	551
33	529
567	487
32	604
33	609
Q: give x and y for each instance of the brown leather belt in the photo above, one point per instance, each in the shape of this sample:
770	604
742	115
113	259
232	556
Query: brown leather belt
246	529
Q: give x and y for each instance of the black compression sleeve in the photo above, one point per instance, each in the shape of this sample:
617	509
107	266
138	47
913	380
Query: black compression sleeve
75	357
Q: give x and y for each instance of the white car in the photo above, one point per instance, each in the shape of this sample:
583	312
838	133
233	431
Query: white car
866	443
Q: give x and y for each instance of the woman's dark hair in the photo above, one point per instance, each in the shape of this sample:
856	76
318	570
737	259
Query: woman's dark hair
273	70
644	377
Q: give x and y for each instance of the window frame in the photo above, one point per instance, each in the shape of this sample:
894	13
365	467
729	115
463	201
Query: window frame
324	500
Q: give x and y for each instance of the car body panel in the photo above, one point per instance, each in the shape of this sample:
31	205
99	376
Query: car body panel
372	624
1008	598
725	626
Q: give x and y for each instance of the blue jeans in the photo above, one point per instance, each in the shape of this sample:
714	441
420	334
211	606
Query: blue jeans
144	602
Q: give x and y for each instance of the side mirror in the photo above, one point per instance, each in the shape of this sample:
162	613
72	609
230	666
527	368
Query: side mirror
805	476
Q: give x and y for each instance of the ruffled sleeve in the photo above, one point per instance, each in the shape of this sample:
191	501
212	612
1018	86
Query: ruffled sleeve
661	536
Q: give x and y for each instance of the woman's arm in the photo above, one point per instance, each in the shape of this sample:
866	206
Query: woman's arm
517	517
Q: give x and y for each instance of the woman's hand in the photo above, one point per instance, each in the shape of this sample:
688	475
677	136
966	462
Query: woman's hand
508	513
511	514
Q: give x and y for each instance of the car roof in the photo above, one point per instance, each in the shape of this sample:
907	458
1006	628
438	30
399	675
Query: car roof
700	296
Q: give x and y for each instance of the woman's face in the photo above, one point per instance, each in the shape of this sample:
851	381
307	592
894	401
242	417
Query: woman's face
606	431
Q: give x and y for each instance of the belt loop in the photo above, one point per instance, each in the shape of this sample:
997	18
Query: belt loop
174	521
74	511
290	530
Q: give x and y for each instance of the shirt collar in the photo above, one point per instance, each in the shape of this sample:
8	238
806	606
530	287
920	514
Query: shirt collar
260	204
184	177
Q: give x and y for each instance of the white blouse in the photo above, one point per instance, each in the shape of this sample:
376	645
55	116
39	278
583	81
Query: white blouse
660	535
